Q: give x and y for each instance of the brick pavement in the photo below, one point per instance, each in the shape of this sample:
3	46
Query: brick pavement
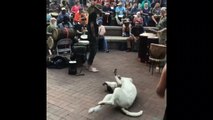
70	97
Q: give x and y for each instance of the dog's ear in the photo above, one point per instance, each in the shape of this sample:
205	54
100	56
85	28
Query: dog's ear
109	89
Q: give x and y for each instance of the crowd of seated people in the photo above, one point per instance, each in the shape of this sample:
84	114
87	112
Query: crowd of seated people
119	9
116	10
124	13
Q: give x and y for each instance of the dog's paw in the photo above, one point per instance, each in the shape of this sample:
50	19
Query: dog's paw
91	110
104	83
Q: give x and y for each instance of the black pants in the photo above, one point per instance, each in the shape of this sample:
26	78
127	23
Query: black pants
93	46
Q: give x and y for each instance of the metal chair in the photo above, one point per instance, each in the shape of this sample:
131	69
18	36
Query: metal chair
63	47
157	56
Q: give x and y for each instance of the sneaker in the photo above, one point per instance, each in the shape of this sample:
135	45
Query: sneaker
157	69
128	50
107	51
92	69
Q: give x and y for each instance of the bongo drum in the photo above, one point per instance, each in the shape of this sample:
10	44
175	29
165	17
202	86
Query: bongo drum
63	33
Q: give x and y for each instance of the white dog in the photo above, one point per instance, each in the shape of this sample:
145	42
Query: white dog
122	96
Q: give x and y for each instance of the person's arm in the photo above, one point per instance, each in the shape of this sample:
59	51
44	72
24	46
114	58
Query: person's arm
104	30
48	29
160	1
162	30
161	87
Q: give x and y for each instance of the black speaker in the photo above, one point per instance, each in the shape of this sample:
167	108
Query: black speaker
72	67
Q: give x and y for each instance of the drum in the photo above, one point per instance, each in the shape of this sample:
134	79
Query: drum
144	44
50	42
157	51
63	33
83	40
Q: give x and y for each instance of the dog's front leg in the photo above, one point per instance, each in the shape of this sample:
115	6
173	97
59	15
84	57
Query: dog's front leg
106	103
100	106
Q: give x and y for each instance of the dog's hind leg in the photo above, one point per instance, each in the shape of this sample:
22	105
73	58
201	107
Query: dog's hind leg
111	101
99	107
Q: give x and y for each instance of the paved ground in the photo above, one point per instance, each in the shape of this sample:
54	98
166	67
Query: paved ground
70	97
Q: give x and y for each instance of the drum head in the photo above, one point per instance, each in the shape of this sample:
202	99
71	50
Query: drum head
120	16
54	14
50	42
107	13
84	37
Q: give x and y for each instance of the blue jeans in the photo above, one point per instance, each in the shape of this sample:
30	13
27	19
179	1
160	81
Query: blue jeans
146	20
103	42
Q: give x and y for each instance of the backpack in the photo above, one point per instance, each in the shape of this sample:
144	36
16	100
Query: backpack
57	62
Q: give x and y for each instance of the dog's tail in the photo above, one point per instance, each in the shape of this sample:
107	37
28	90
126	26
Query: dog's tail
132	114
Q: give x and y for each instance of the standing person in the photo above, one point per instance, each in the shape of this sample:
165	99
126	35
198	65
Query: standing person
161	87
101	37
92	28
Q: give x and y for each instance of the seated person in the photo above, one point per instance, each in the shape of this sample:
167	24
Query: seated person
126	28
61	15
134	9
48	17
145	1
77	15
133	38
64	4
54	6
138	18
120	13
76	7
156	13
84	17
154	2
80	28
101	32
146	14
65	23
107	15
53	25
